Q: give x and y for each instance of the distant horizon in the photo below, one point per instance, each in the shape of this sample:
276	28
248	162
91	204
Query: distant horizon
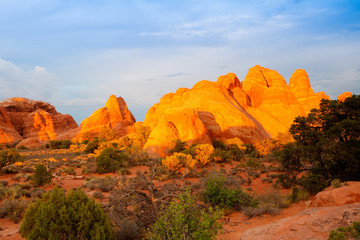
75	54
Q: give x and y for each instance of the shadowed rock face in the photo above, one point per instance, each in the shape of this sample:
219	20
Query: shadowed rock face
34	121
114	115
260	107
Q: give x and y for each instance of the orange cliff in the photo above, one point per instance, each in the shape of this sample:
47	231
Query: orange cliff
31	122
259	108
114	115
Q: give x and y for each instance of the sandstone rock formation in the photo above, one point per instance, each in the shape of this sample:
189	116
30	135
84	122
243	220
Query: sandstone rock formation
313	223
344	95
114	115
260	107
338	196
299	84
35	121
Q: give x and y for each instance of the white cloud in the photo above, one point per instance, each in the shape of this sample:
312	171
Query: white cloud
36	83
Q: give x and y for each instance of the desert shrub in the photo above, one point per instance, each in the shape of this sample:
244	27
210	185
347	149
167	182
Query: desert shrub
4	183
179	160
107	134
103	145
179	146
269	203
56	216
8	157
137	156
12	209
22	147
253	163
41	176
298	195
221	155
218	144
142	135
36	193
92	146
313	183
344	233
184	220
217	193
104	184
110	160
203	153
62	144
128	230
336	183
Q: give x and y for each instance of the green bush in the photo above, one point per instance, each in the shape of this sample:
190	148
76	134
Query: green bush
313	183
218	194
92	146
56	216
8	157
62	144
184	220
110	160
104	184
344	233
179	147
41	176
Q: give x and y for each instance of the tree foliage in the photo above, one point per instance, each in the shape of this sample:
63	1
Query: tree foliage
110	160
329	138
56	216
41	176
8	157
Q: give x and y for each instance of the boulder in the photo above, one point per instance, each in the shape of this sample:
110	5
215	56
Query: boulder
313	223
35	121
347	194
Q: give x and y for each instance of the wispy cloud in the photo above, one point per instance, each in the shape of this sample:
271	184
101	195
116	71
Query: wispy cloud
36	83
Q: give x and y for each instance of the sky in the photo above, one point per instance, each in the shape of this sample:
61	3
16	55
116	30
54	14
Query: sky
75	54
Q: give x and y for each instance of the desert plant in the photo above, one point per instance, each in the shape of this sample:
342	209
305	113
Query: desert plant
92	146
8	157
110	160
344	233
41	176
217	193
56	216
184	220
179	146
12	209
104	184
313	183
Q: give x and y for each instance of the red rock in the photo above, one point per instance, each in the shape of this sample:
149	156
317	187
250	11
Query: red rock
344	95
8	134
176	123
313	223
300	86
34	120
114	115
338	196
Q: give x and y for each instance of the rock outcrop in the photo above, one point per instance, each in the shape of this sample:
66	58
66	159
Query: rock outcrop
344	95
346	194
313	223
34	121
260	107
114	115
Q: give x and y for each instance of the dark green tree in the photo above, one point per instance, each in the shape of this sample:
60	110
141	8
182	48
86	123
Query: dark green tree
41	175
328	139
58	217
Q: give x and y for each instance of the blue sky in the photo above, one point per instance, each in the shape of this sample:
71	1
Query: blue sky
74	54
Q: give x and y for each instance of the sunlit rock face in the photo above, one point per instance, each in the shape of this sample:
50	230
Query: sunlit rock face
260	107
344	95
22	118
114	115
299	84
